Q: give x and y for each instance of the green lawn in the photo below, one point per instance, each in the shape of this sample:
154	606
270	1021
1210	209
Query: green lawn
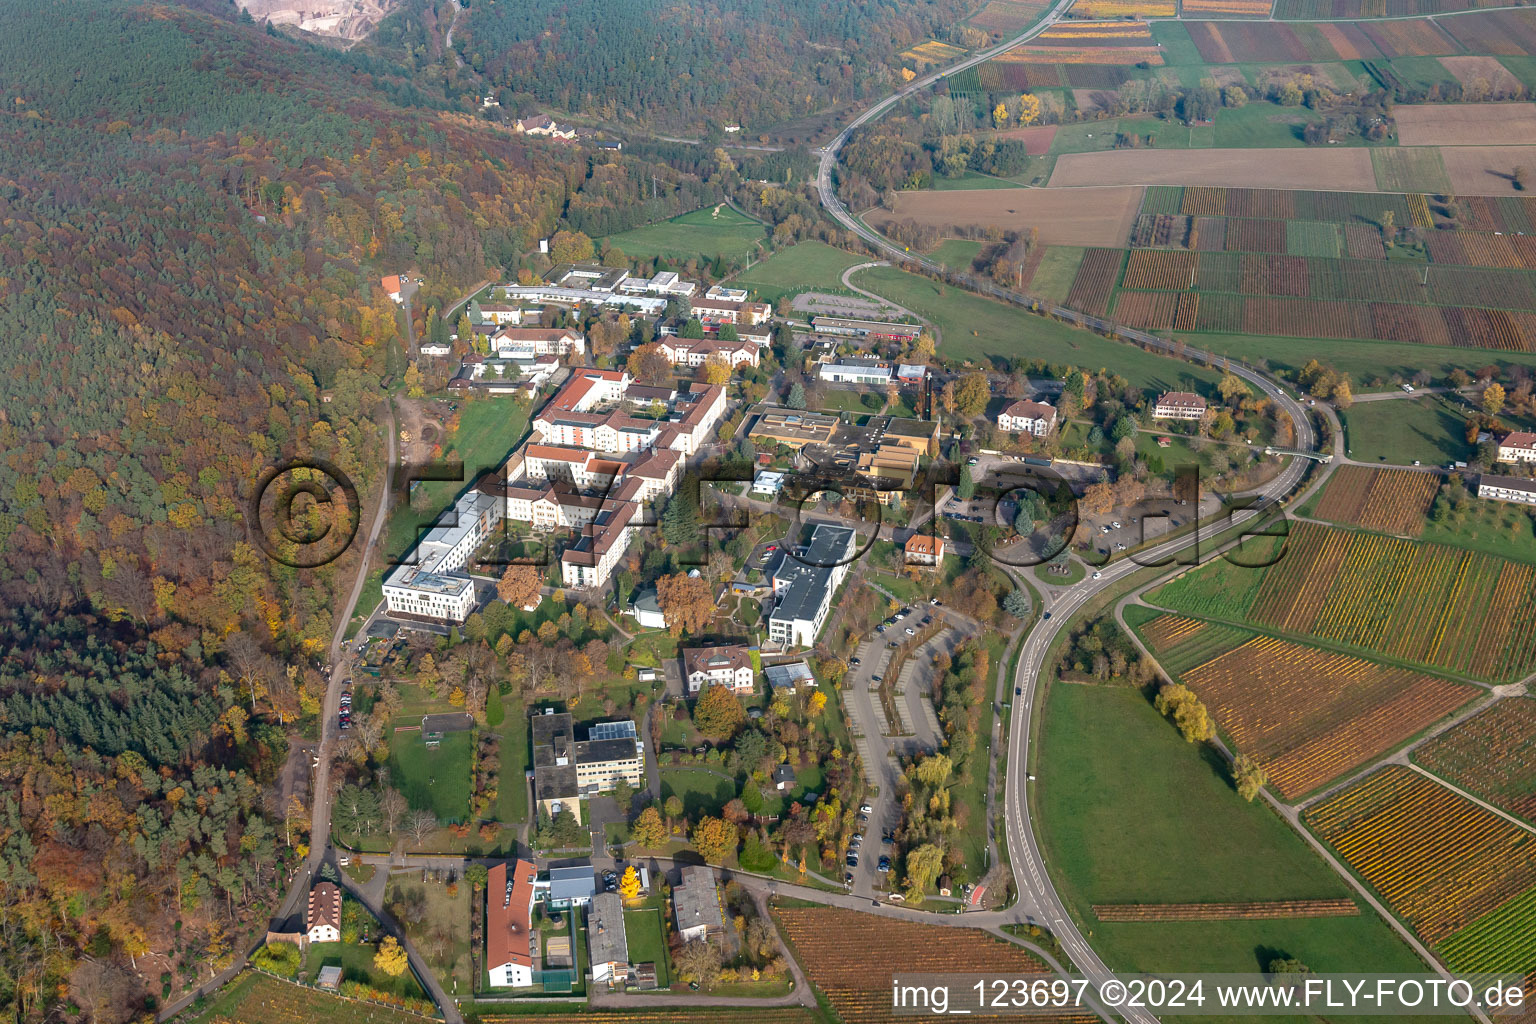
442	935
511	804
356	963
434	779
489	429
804	267
1364	361
1053	278
970	180
1401	430
1075	573
702	792
646	935
956	253
979	328
1129	812
1261	125
1494	527
710	232
1410	169
1178	47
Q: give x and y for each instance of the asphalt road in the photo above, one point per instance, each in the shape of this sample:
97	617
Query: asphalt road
1035	887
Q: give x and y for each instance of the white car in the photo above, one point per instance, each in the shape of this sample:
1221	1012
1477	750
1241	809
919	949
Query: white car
1097	574
1408	388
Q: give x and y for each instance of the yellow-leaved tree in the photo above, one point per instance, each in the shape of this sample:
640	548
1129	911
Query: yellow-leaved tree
390	958
629	884
1029	108
1000	114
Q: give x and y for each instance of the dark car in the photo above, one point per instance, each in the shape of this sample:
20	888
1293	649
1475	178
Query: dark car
1018	691
885	863
853	858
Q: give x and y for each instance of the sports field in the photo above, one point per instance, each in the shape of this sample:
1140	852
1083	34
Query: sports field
710	232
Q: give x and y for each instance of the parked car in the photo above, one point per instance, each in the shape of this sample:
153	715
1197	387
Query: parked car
855	662
866	809
853	858
875	678
911	631
885	864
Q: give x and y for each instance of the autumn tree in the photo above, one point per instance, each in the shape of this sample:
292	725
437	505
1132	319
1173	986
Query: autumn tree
972	393
649	830
1248	776
923	867
714	838
1000	114
519	585
698	961
718	714
570	247
1098	499
1493	399
1232	389
390	958
1179	703
686	603
648	363
715	371
1029	108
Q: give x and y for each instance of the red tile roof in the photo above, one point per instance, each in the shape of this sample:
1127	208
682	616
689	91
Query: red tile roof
507	925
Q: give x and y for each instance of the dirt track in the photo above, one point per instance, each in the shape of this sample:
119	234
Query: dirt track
1342	169
1466	124
1100	216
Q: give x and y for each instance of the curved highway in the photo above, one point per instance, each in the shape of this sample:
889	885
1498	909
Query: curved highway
1028	864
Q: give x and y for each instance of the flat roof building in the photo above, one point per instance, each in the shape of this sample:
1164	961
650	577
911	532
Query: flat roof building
566	769
607	946
804	585
696	905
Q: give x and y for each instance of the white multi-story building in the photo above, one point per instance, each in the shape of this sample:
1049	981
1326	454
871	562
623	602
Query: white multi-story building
804	585
1507	488
870	372
436	587
728	666
509	893
1517	446
590	561
1026	417
697	352
527	342
1179	405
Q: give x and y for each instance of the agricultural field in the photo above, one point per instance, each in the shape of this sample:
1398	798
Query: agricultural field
710	232
1095	281
1462	611
803	267
256	998
1441	862
1415	169
1126	8
1309	716
1130	813
852	957
1390	500
1253	910
1092	42
932	52
1303	9
1464	124
1100	217
1340	168
1007	17
1491	755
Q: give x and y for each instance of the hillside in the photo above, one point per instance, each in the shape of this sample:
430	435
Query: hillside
753	62
194	214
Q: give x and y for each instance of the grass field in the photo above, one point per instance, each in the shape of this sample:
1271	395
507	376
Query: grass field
435	780
646	937
804	267
1364	361
489	429
512	791
1129	812
356	963
255	998
710	232
1494	527
1053	278
1401	430
956	253
1410	169
702	792
1262	126
978	328
443	934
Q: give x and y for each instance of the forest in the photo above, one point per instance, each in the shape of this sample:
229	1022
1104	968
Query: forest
751	62
194	215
